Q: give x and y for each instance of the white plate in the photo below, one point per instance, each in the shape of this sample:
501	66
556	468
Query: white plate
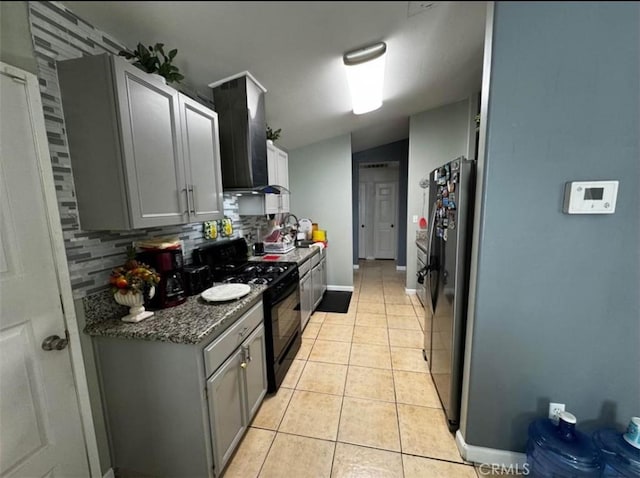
224	292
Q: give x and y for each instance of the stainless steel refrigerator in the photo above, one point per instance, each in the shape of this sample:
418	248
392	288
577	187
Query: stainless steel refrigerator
446	279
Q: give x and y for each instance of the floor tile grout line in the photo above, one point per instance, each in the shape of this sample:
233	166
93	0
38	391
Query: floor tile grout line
285	409
438	459
395	396
344	391
393	374
266	455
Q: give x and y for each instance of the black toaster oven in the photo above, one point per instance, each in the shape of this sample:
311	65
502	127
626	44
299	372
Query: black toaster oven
197	279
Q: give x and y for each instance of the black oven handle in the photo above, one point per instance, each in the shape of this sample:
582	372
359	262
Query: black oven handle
283	295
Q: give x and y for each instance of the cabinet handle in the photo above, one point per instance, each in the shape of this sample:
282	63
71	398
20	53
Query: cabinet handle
186	191
243	331
193	200
246	354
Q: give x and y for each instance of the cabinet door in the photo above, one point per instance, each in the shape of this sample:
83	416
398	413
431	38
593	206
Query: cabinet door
306	300
323	276
227	408
201	150
316	281
151	144
255	352
282	161
272	201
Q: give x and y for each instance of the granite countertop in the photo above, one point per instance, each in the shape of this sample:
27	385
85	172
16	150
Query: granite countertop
188	323
299	255
422	244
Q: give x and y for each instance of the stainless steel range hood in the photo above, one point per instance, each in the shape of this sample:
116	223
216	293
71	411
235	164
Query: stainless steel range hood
239	102
269	189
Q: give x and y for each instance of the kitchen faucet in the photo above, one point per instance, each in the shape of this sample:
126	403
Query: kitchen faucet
286	218
292	228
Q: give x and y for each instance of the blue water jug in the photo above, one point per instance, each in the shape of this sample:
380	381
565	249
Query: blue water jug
620	459
561	451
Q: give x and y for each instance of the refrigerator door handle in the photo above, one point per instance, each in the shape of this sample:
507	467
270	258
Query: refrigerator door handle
431	231
430	266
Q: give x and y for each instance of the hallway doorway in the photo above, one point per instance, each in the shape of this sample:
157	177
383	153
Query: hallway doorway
378	210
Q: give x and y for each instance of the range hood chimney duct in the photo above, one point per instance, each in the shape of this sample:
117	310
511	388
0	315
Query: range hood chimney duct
239	102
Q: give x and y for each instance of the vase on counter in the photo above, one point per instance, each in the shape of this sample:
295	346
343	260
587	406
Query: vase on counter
135	301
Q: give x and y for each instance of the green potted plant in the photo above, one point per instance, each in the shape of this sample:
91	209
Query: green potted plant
273	135
154	60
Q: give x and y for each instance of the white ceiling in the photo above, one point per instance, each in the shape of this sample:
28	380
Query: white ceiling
295	49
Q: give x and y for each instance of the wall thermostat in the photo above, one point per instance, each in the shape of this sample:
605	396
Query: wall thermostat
590	197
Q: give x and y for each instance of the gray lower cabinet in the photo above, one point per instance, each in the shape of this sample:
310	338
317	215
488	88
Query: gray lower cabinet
180	409
227	408
142	154
323	276
306	299
319	280
256	370
235	393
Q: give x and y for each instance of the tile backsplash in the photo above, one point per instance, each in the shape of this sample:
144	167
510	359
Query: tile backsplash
58	34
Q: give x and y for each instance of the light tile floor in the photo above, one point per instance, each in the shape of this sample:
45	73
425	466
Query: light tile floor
358	400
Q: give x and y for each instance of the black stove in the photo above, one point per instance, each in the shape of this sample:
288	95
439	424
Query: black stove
228	263
257	273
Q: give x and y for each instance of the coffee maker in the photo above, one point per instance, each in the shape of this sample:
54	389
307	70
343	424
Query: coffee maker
168	263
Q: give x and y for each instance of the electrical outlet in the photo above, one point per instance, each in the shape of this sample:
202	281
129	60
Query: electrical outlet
415	219
554	411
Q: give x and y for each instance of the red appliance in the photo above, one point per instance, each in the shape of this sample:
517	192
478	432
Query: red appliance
168	263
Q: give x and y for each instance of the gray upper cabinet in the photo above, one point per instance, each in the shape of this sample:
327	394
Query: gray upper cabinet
143	154
201	147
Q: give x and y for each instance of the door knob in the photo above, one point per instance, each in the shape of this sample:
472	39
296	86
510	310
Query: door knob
391	225
53	342
362	225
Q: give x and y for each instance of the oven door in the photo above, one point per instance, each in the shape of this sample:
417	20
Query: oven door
285	318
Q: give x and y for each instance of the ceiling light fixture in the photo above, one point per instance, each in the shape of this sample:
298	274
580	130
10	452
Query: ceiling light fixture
365	74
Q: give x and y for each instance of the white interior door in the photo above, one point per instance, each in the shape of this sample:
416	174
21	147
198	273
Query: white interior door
40	426
362	221
384	239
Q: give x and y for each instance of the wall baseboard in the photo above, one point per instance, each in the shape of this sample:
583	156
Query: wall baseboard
492	456
410	291
371	258
401	268
343	288
109	474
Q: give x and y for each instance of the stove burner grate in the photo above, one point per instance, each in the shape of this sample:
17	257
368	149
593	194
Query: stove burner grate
259	280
